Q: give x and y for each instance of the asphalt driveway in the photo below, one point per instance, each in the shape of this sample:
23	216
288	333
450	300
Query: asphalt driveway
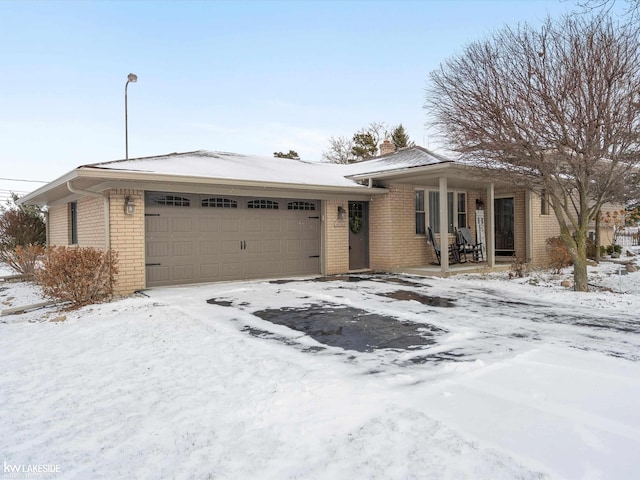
404	320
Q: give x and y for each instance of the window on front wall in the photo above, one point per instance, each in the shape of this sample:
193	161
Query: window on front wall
461	209
73	223
456	210
544	203
420	230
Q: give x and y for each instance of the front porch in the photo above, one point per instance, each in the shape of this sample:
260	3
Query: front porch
447	197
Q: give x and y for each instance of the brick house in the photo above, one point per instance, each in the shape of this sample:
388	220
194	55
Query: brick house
213	216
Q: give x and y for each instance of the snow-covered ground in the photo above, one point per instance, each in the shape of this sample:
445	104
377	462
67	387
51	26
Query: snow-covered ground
524	379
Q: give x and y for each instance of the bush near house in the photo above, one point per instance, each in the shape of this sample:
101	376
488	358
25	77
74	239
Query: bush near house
614	250
22	235
79	275
558	254
518	267
22	259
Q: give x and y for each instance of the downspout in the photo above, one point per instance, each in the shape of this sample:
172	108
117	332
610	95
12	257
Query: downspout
105	202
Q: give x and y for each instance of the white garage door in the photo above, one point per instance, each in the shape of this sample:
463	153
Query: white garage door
208	238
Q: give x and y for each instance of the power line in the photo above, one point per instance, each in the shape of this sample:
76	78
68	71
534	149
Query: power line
22	180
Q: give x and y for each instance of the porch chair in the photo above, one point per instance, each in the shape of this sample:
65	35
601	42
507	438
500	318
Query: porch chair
467	245
453	251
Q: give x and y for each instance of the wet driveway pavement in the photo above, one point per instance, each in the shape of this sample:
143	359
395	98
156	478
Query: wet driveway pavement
407	320
352	328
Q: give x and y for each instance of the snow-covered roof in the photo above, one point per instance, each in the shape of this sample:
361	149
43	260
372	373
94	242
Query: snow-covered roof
402	159
239	169
234	166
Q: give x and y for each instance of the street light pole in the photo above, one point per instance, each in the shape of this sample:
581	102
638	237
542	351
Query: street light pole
131	78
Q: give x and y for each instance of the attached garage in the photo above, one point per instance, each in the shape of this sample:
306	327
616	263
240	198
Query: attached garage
193	238
202	216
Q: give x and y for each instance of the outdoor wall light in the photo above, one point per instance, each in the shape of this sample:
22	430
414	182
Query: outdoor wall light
129	206
341	212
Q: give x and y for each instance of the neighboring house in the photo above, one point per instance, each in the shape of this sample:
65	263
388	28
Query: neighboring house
212	216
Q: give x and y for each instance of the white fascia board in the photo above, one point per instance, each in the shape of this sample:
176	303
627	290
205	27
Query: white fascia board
29	199
435	168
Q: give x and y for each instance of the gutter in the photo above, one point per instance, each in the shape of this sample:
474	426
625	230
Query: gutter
105	202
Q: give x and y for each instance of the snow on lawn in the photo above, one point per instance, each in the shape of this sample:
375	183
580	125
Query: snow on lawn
525	379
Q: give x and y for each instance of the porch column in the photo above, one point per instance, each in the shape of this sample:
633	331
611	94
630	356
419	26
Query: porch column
444	226
528	228
490	227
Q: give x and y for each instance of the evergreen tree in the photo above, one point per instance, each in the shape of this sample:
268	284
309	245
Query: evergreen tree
292	154
364	146
400	137
364	143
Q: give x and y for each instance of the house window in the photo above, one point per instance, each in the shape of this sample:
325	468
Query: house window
544	203
456	210
420	212
461	208
73	223
219	203
301	206
265	204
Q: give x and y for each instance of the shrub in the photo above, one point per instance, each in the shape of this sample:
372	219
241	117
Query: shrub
518	267
22	259
79	275
21	225
559	256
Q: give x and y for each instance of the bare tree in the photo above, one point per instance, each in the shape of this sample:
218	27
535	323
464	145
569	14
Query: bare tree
362	146
378	131
340	150
553	109
631	8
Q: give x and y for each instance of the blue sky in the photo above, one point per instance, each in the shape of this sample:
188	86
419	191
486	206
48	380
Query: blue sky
247	77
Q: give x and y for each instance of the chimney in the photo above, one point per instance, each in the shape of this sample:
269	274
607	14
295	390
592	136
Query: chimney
387	147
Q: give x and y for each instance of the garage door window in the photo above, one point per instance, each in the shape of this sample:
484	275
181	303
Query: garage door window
219	203
301	206
170	201
266	204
